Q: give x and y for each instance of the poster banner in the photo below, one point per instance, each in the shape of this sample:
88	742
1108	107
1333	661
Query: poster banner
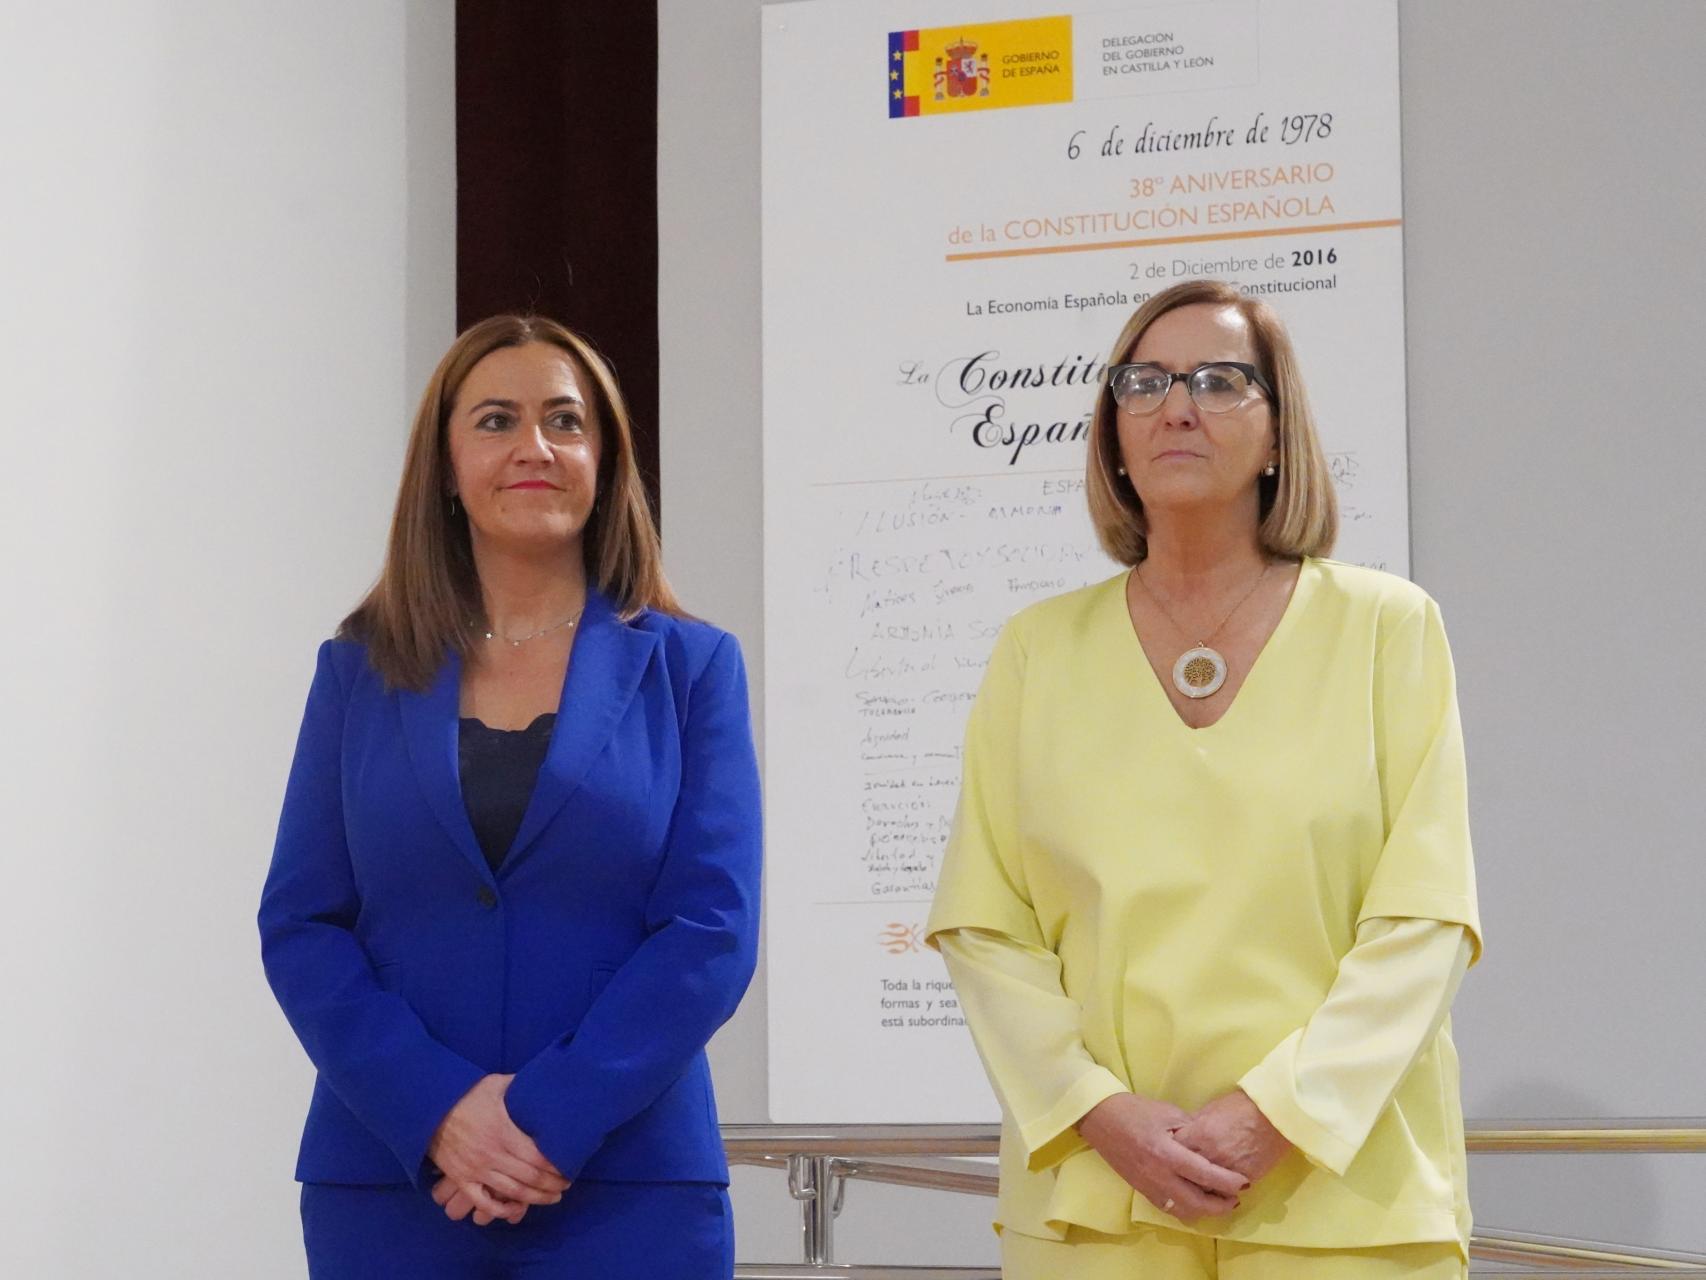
963	202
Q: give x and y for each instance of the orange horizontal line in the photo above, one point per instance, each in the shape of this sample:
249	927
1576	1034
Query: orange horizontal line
972	475
1140	244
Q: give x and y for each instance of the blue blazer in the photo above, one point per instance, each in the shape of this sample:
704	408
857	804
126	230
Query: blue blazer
618	933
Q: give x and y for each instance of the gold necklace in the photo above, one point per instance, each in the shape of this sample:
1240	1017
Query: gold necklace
1200	670
518	641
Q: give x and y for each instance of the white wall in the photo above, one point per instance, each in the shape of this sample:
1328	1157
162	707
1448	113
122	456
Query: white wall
226	266
1554	256
1556	260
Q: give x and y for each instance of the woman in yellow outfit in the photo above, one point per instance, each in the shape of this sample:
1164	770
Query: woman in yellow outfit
1209	892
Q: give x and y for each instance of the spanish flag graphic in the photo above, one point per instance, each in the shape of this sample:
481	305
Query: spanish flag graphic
972	68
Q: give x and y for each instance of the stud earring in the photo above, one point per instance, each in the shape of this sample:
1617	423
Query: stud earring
1121	470
1270	470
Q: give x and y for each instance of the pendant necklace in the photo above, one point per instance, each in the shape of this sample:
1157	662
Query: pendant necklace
1200	670
515	642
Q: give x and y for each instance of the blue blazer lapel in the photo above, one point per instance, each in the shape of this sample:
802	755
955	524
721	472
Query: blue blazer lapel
431	728
606	665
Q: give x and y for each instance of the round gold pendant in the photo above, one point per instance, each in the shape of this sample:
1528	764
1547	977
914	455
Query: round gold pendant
1199	672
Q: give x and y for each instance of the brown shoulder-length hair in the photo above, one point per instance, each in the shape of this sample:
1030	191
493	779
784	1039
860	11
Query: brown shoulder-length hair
1299	511
428	592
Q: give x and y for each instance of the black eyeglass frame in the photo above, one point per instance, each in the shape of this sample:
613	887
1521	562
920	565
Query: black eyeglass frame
1248	370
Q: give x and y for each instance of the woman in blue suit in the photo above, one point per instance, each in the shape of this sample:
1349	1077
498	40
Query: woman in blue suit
515	888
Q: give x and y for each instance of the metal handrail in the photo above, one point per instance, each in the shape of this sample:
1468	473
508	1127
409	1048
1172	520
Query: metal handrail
867	1271
938	1173
886	1272
891	1271
1493	1244
1676	1135
741	1140
822	1159
1483	1137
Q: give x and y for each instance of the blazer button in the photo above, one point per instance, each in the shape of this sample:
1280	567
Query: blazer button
488	899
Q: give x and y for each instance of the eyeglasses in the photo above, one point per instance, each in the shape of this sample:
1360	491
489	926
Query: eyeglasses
1215	388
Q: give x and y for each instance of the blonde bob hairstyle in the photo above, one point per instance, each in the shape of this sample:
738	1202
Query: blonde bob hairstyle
429	592
1299	511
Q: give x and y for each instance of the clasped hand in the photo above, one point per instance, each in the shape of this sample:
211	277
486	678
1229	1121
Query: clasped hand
491	1168
1188	1166
1233	1133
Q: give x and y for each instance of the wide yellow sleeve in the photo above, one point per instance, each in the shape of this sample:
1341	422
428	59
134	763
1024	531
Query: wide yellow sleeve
1025	1026
1326	1084
982	880
1026	1029
1426	868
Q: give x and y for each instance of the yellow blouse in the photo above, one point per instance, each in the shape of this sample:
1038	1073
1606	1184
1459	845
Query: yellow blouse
1198	893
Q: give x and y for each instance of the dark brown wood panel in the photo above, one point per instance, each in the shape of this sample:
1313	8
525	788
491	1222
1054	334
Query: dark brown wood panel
556	166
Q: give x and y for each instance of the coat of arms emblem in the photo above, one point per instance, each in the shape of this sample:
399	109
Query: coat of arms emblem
964	74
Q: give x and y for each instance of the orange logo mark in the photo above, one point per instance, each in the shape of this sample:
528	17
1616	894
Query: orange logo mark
897	939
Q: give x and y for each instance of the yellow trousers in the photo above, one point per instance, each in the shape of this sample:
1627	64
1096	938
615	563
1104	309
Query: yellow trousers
1154	1253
